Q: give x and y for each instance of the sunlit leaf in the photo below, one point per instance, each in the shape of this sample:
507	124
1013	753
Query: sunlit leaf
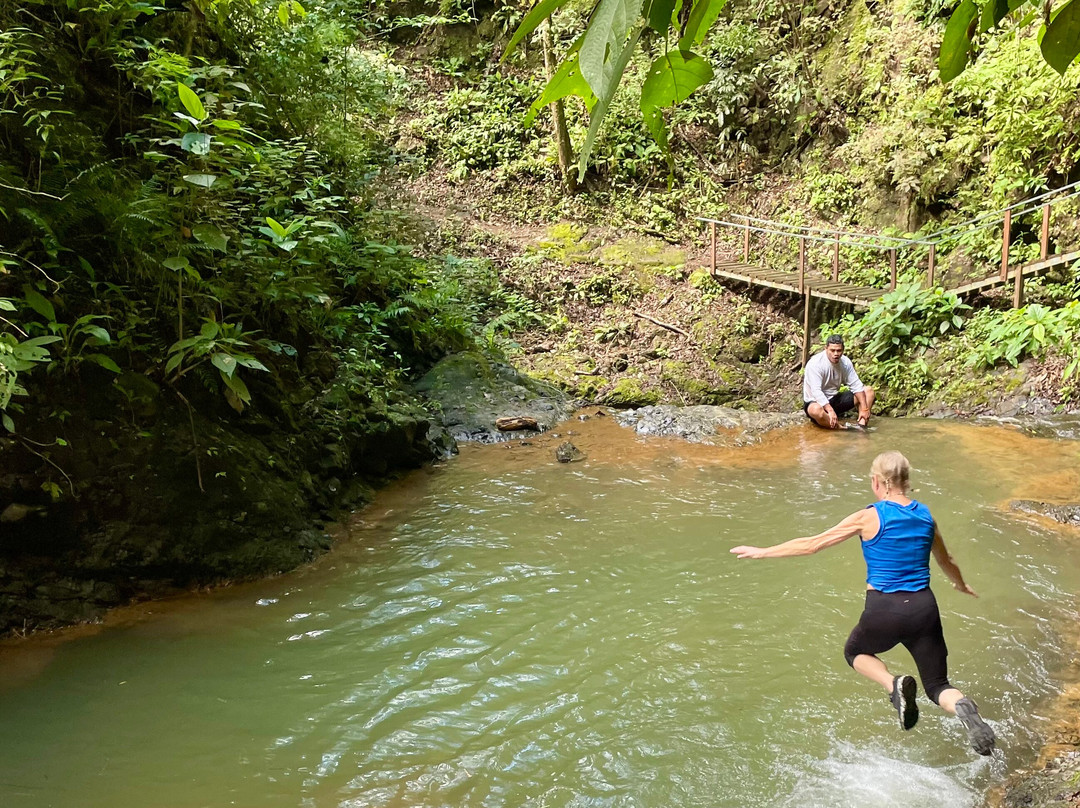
202	180
176	263
276	226
197	143
191	102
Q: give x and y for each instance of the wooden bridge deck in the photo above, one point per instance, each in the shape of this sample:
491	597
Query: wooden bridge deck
1031	270
859	296
863	296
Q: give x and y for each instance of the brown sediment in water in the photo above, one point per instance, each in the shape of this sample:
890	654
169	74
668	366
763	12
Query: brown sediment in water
1044	470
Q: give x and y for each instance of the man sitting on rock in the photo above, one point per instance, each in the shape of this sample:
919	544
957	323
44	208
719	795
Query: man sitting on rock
822	378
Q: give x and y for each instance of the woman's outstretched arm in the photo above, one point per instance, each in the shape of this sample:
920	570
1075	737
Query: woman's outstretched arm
861	522
948	566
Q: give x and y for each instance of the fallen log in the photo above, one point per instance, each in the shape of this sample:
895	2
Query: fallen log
515	422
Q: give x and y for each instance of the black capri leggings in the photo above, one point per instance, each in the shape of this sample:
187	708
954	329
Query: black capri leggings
910	619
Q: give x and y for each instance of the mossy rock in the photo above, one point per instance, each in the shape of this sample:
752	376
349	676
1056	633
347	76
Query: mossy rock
648	254
566	242
752	348
695	389
628	392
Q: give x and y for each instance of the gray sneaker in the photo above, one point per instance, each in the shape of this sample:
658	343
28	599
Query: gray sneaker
979	732
903	699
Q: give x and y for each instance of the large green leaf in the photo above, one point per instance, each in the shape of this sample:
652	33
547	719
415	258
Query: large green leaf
993	12
670	80
211	236
223	362
236	384
198	143
596	116
566	81
38	302
702	15
659	14
1060	44
191	101
202	180
540	12
604	44
956	45
104	361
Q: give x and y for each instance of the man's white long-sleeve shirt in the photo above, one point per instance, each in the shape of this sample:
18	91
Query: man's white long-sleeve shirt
822	379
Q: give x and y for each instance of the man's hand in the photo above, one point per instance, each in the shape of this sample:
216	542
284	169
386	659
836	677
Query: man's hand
967	590
746	551
834	422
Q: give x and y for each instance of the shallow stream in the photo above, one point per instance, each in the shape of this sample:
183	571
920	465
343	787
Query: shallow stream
505	630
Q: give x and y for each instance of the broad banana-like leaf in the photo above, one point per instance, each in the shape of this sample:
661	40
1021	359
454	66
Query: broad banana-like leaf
671	80
1060	44
956	45
566	81
604	46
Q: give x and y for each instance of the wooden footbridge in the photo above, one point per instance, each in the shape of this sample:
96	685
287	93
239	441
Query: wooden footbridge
812	283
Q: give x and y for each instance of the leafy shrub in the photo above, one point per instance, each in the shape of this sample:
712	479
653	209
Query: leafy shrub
906	318
480	127
1028	331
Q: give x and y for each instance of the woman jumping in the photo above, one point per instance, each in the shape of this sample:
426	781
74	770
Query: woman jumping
898	535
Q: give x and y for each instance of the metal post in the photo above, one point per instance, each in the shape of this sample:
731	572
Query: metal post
930	267
802	263
746	243
1044	236
892	269
1005	238
712	253
836	260
806	329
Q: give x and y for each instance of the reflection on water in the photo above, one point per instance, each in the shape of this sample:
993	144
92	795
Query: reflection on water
506	630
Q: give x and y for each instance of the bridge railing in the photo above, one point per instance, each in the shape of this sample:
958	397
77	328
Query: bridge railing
916	250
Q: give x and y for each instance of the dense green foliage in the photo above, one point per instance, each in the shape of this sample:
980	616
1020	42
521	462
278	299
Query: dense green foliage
831	116
187	203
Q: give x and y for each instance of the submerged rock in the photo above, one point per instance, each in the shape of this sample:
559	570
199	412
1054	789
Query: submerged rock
1065	514
472	392
714	425
568	453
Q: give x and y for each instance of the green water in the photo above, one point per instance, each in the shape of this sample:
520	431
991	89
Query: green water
509	631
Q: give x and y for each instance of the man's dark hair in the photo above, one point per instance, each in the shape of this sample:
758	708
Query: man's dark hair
835	339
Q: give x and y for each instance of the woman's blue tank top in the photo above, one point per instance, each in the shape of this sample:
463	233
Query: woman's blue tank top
898	557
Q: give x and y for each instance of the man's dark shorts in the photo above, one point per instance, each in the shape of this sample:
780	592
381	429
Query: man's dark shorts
841	403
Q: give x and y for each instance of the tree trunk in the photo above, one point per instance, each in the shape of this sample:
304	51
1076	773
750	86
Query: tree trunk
558	118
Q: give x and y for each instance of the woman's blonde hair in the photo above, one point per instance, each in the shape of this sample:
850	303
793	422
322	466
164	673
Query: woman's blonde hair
893	469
